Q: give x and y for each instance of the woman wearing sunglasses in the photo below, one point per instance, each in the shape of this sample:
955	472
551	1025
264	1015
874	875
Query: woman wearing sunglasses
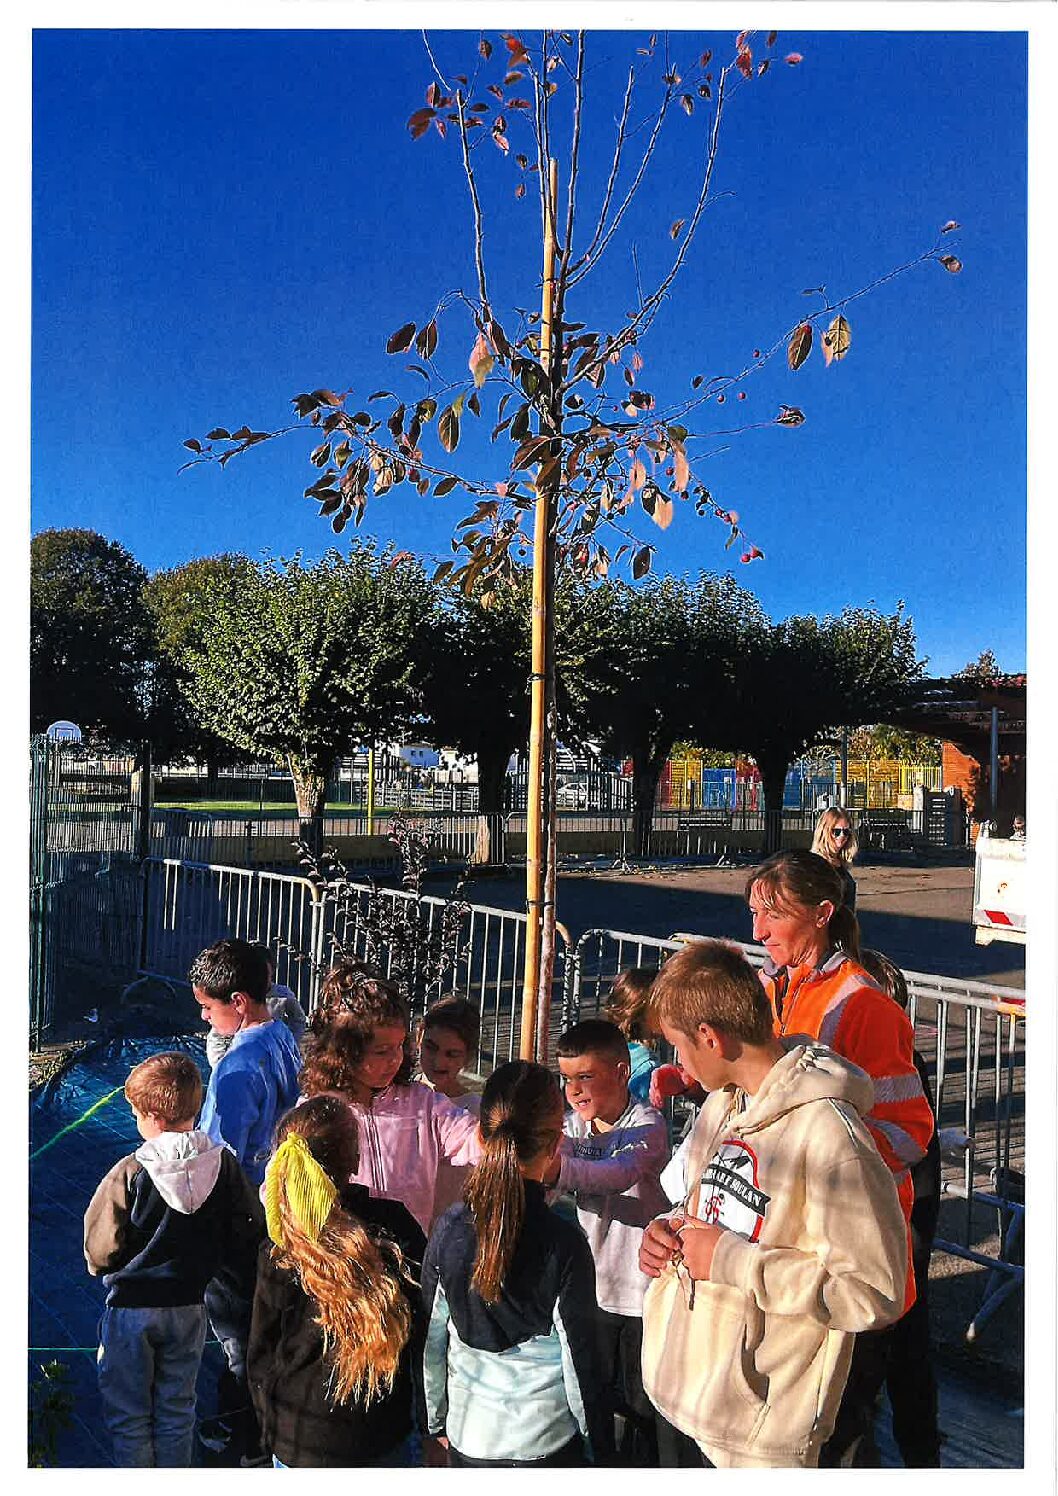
835	841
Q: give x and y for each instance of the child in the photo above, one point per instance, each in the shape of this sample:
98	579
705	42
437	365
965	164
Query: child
336	1327
611	1156
257	1079
909	1381
791	1240
281	1004
159	1225
629	999
448	1036
511	1371
358	1048
249	1089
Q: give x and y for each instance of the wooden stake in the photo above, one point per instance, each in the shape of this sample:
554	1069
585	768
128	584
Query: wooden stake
539	846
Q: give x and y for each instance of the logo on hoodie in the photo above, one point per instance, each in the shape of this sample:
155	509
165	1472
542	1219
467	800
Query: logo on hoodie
729	1194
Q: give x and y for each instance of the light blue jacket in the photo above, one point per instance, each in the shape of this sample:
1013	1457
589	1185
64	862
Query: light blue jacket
249	1090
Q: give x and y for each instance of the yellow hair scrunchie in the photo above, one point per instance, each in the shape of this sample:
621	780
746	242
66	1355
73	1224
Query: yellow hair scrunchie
310	1193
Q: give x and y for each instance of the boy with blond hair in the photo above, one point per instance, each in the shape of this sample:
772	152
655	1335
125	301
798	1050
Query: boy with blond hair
791	1238
160	1225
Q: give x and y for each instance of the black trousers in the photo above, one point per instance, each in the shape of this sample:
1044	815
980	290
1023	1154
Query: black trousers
910	1382
619	1338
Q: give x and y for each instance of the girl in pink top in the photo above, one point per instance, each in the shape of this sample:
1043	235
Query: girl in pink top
357	1048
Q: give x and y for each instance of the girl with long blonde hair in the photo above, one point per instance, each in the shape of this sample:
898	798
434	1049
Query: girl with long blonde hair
511	1368
336	1324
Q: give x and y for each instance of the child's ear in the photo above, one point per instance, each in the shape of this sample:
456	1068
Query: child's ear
708	1035
624	1070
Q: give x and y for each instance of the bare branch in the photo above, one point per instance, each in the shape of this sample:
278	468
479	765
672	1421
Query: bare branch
479	228
574	166
433	63
614	168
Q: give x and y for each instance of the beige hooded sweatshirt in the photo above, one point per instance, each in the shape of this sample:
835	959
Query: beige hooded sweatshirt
753	1363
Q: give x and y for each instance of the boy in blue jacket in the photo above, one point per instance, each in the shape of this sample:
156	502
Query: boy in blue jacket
250	1088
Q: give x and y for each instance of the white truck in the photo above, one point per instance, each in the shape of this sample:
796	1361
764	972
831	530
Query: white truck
999	888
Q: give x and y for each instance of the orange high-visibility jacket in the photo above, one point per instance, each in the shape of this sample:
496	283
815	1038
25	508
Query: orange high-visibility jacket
839	1005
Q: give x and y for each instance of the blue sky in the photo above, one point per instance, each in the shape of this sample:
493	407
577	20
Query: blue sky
223	219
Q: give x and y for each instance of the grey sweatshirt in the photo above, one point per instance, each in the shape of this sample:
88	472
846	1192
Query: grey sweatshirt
614	1177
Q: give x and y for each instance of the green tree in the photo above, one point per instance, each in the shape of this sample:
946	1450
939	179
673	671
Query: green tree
797	679
984	668
299	661
89	635
656	665
178	602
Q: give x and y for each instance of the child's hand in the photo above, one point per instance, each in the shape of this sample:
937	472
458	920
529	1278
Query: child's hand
698	1242
666	1081
657	1246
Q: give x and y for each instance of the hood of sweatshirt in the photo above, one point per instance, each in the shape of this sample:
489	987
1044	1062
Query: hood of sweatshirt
183	1167
806	1073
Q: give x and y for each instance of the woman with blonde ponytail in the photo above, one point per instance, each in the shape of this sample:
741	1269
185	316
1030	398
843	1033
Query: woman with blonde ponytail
336	1335
510	1371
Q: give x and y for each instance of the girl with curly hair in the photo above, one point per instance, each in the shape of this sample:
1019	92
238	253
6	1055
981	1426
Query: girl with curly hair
358	1048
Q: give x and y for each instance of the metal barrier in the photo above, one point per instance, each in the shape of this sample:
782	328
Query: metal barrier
972	1037
187	906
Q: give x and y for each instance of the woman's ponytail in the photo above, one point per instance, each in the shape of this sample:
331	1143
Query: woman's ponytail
519	1110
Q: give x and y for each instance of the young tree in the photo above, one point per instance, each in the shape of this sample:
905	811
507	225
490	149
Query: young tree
298	661
89	635
590	440
656	665
798	678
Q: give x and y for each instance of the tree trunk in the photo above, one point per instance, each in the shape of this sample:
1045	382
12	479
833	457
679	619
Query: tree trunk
646	771
773	769
310	791
492	778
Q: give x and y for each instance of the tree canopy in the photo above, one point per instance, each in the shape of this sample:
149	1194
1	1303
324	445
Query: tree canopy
299	661
89	635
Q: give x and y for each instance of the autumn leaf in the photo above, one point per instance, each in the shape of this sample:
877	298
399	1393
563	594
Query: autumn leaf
951	263
800	345
419	122
793	58
426	340
501	141
638	476
485	48
773	37
680	468
448	429
401	339
744	62
445	485
516	48
662	512
836	340
519	191
192	445
641	563
481	361
687	103
789	415
677	227
950	226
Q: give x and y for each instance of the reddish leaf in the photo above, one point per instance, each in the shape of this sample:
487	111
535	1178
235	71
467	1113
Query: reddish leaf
773	37
485	48
641	563
662	512
516	48
744	62
448	429
687	103
519	191
677	227
800	345
419	122
401	339
763	67
680	468
793	58
502	141
949	226
192	445
951	263
445	485
789	415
